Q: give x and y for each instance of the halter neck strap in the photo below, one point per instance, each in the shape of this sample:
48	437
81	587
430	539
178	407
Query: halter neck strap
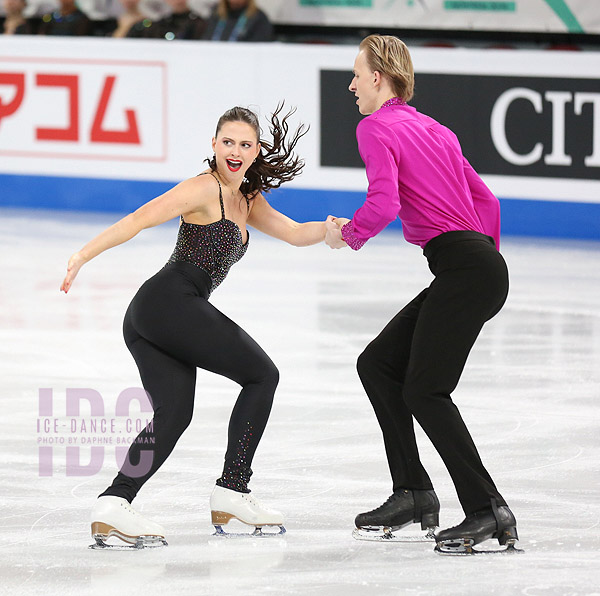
220	196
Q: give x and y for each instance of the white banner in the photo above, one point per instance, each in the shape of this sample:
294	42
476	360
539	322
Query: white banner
554	16
80	109
147	109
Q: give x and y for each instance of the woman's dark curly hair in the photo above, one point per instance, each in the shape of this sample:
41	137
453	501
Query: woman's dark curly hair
276	162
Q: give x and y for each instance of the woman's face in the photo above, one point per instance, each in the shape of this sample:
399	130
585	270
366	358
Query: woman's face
235	147
363	85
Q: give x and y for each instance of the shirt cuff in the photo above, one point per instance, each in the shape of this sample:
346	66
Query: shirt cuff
349	238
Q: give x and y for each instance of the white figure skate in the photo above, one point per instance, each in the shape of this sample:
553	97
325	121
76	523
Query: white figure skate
226	504
114	516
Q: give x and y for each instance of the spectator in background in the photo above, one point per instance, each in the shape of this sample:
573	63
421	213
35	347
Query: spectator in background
67	20
102	14
14	22
129	18
182	23
238	20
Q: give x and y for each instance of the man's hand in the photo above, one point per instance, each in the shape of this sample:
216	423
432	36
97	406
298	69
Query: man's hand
333	236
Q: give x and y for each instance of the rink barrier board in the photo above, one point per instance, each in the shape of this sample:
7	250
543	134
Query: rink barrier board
520	217
114	109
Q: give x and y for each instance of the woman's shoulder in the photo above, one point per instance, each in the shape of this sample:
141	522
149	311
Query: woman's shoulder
200	188
198	194
203	181
257	202
257	197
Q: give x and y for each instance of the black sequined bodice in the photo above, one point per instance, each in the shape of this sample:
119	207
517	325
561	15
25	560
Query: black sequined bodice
214	247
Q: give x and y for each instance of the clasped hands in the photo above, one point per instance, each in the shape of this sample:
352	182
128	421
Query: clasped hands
333	234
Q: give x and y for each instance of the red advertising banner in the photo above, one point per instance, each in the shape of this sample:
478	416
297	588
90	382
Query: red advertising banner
83	109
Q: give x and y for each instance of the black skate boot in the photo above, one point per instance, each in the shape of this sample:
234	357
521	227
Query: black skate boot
404	507
496	522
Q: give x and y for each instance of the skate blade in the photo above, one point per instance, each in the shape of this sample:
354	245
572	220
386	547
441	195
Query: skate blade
386	534
128	543
257	533
465	547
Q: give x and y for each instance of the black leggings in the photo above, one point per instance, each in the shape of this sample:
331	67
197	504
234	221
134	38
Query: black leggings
415	363
170	329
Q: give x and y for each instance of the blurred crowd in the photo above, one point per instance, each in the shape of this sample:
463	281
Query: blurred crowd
240	20
223	20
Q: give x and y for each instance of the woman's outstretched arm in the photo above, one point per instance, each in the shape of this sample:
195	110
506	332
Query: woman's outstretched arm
270	221
185	197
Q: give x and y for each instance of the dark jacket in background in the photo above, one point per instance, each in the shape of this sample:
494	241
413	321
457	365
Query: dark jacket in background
76	23
238	27
184	25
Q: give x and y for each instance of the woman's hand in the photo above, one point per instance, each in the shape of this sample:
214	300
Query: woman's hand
73	267
333	235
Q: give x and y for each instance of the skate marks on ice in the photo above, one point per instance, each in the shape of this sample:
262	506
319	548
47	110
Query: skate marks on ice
537	361
246	558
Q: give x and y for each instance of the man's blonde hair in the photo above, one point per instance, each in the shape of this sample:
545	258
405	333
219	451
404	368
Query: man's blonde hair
390	56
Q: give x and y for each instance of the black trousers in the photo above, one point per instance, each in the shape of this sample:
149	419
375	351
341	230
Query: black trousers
411	369
171	329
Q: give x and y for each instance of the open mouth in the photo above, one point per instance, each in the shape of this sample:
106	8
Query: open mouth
233	164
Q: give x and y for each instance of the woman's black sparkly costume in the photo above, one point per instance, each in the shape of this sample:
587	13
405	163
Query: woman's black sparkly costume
171	329
214	247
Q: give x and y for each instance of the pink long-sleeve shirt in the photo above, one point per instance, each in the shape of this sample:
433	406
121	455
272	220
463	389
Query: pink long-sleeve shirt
417	172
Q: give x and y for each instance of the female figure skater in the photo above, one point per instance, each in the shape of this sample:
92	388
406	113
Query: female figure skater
416	171
171	328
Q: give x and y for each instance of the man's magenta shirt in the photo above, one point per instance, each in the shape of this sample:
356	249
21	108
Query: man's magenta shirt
417	172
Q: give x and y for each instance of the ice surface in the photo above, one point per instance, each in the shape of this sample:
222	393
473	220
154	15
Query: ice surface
530	395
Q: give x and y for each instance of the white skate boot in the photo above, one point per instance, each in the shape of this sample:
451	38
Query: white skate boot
114	516
226	504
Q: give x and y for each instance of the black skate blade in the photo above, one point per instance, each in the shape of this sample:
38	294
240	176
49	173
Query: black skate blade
387	534
141	543
465	547
257	533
